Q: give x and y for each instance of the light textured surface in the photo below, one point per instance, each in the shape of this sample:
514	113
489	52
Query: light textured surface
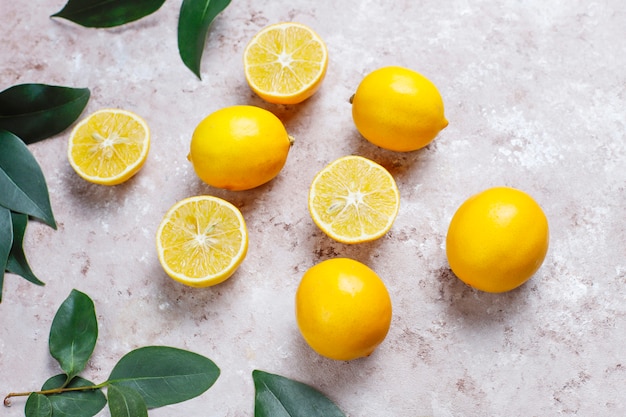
535	93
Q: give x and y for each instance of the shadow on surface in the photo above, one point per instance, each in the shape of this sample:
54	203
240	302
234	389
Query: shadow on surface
476	307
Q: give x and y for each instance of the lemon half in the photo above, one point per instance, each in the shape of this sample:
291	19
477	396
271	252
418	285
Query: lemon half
109	146
354	200
202	240
285	63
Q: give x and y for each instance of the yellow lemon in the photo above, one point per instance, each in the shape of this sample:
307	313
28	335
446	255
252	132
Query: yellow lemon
398	109
497	239
285	63
109	146
201	241
354	200
239	147
343	309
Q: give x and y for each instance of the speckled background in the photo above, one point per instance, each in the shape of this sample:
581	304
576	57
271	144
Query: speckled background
535	93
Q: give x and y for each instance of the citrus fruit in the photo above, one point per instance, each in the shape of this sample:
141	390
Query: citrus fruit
285	63
109	146
354	200
497	239
239	147
202	240
398	109
343	309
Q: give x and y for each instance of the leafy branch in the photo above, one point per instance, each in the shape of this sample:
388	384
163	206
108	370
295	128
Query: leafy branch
193	23
28	113
146	378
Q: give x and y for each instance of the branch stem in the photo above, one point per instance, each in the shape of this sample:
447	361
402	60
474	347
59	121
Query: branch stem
7	401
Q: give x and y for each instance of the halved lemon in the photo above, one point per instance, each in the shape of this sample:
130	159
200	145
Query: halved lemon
354	200
285	63
109	146
202	240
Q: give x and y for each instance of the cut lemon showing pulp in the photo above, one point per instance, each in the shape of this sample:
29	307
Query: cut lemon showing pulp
285	63
354	200
109	146
202	240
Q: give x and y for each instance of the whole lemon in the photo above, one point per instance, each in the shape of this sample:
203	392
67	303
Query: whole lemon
239	147
398	109
343	309
497	239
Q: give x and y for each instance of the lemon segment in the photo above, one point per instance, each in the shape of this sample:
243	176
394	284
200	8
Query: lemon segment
109	146
285	63
354	200
201	241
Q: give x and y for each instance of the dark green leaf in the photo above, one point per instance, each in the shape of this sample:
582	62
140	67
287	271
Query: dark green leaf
73	333
277	396
164	375
6	241
22	185
107	13
86	403
126	402
37	111
193	28
17	263
38	405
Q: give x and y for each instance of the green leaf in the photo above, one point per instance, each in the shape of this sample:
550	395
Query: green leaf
164	375
22	185
6	241
73	333
17	263
193	28
126	402
38	405
107	13
85	403
277	396
37	111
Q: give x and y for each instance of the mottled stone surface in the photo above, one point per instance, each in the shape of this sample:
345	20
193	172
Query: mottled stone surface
535	93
